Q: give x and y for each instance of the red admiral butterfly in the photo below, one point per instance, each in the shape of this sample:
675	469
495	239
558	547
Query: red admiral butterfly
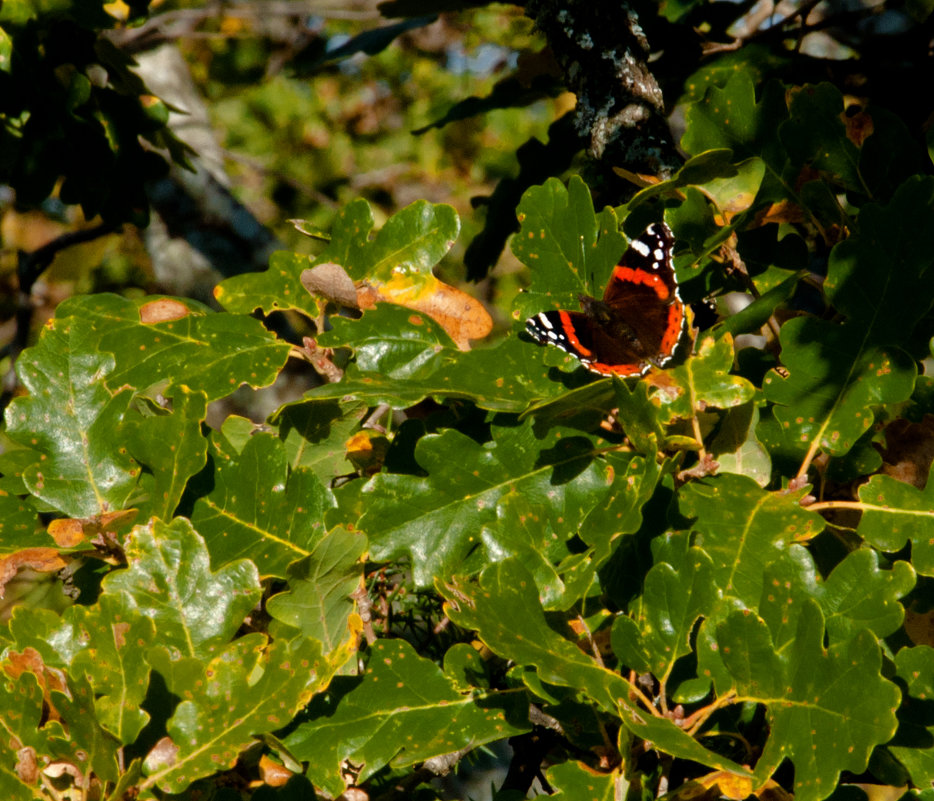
636	325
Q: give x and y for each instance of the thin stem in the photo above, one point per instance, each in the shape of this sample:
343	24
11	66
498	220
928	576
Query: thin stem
820	506
700	717
701	450
641	696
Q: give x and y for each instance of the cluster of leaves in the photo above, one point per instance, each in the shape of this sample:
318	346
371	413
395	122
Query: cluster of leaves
700	575
659	581
67	89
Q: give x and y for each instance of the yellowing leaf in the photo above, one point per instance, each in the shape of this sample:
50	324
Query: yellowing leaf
460	315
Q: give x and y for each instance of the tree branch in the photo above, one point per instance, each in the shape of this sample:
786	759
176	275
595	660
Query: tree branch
604	55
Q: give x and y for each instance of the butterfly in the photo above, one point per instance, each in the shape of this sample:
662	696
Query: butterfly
636	325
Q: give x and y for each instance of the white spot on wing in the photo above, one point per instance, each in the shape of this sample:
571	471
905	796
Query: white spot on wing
640	247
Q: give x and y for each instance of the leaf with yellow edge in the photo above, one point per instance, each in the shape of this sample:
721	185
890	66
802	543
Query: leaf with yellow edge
702	381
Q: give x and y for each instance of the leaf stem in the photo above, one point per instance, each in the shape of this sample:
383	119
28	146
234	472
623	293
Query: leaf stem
699	437
636	693
820	506
693	722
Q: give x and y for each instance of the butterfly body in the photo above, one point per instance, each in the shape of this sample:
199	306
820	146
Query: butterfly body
637	323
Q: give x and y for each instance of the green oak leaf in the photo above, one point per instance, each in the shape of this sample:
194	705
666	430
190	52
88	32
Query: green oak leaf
572	781
318	600
730	117
505	594
832	384
736	447
912	742
21	713
542	537
640	416
838	375
735	193
507	376
111	635
251	687
102	643
392	342
882	278
19	524
751	318
744	528
315	434
814	135
732	188
13	463
584	407
526	531
703	381
569	249
895	512
711	165
672	602
827	708
172	448
88	743
436	521
279	288
208	352
259	509
168	579
619	512
411	242
858	594
405	710
73	420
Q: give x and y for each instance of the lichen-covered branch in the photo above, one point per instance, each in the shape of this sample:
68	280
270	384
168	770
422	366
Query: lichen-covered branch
604	54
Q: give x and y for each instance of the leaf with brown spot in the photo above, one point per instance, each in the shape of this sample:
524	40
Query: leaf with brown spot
162	310
49	678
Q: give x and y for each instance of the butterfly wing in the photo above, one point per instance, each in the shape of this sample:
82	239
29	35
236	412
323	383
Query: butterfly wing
580	335
642	294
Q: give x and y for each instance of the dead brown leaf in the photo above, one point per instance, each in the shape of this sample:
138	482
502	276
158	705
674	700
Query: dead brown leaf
42	560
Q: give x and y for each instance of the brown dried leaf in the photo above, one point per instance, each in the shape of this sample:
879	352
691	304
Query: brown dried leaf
330	280
55	770
42	560
919	626
859	127
783	211
366	451
69	532
909	450
463	317
272	773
